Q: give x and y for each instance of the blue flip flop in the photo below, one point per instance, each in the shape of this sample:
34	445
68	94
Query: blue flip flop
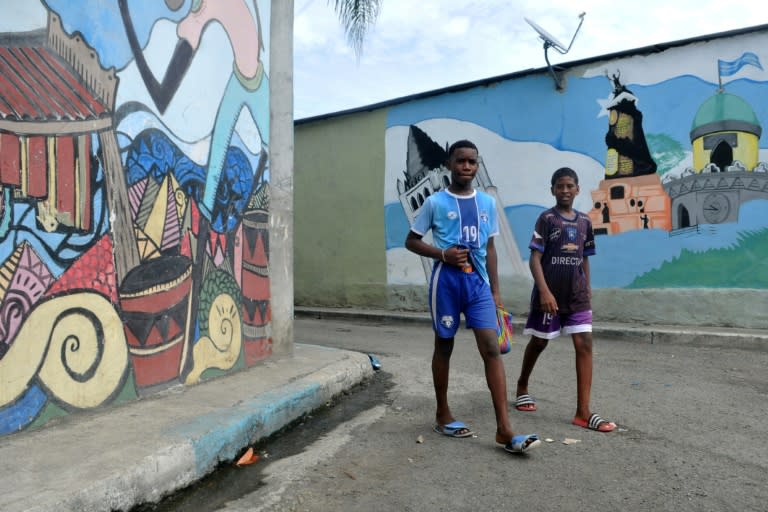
521	443
454	429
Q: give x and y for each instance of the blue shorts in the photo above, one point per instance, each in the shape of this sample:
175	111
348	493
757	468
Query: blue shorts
547	326
452	292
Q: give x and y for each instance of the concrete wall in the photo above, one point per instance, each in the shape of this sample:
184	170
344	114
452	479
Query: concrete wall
671	171
135	199
340	258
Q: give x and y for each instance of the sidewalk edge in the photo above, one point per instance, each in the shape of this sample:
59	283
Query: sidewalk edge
195	448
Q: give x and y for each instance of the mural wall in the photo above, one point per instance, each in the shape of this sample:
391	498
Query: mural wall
668	145
133	199
668	149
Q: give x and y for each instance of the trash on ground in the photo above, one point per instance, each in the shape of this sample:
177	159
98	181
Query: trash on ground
374	362
350	475
249	457
622	429
570	440
549	440
420	439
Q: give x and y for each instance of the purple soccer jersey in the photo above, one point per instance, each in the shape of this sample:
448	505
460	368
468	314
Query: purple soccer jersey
564	243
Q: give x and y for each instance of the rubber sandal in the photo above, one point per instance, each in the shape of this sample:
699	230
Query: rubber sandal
525	403
454	429
521	443
595	423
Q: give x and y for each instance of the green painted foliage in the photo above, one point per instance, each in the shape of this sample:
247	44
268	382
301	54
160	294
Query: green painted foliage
742	266
665	151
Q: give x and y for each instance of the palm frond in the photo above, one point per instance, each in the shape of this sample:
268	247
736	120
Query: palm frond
357	16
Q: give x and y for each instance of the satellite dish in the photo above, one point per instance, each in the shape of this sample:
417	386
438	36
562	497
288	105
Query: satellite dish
551	41
547	37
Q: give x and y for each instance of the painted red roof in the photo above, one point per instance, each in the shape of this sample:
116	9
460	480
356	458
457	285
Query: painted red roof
37	85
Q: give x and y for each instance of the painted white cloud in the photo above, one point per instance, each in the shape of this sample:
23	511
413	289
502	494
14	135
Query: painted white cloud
644	70
516	168
22	16
191	113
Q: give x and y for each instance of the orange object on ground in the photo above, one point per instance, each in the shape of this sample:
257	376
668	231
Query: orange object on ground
248	458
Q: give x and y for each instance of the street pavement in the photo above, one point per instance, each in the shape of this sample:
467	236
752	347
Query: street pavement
707	407
699	336
692	416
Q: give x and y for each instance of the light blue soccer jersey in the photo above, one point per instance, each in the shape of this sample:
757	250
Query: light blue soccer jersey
456	220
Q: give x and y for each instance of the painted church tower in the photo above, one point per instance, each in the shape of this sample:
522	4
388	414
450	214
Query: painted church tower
427	174
630	196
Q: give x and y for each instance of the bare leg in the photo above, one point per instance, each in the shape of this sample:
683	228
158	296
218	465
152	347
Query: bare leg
497	381
441	363
582	343
532	352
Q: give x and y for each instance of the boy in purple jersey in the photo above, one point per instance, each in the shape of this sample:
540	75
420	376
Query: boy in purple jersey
560	302
464	280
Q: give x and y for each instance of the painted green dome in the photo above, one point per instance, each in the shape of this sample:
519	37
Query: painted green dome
724	112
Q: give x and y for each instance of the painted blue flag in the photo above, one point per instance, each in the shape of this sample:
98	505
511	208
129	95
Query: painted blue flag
728	68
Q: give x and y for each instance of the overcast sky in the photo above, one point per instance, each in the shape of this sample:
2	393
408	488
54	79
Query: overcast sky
421	45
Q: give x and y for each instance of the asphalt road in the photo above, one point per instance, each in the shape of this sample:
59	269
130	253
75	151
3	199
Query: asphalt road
692	437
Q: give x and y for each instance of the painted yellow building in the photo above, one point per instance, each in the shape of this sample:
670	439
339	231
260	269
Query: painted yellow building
725	130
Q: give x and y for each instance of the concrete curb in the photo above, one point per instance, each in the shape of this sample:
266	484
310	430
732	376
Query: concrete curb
189	448
750	339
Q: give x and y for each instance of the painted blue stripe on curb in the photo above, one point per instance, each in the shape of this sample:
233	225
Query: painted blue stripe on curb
219	436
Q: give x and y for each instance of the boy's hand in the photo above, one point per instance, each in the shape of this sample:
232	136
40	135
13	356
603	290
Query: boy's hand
548	302
457	256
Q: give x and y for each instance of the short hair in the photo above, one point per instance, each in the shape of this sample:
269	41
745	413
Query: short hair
463	143
564	172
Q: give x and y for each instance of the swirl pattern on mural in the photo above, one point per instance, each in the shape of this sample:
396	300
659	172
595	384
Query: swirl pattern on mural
74	344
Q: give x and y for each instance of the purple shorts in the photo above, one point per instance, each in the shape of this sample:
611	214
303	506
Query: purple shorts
547	326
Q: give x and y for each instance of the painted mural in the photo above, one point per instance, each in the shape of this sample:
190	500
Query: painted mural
670	158
134	203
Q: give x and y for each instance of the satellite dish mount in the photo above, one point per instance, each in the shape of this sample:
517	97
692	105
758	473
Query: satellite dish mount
551	42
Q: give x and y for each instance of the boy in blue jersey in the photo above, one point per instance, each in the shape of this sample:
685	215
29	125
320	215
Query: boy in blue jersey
464	280
561	299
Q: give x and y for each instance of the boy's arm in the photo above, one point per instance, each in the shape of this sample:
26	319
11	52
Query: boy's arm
452	255
491	263
585	268
547	300
414	243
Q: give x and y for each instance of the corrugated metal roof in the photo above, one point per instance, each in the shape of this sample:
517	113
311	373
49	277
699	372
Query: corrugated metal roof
37	85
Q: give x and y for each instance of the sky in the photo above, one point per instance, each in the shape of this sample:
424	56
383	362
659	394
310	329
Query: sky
419	46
